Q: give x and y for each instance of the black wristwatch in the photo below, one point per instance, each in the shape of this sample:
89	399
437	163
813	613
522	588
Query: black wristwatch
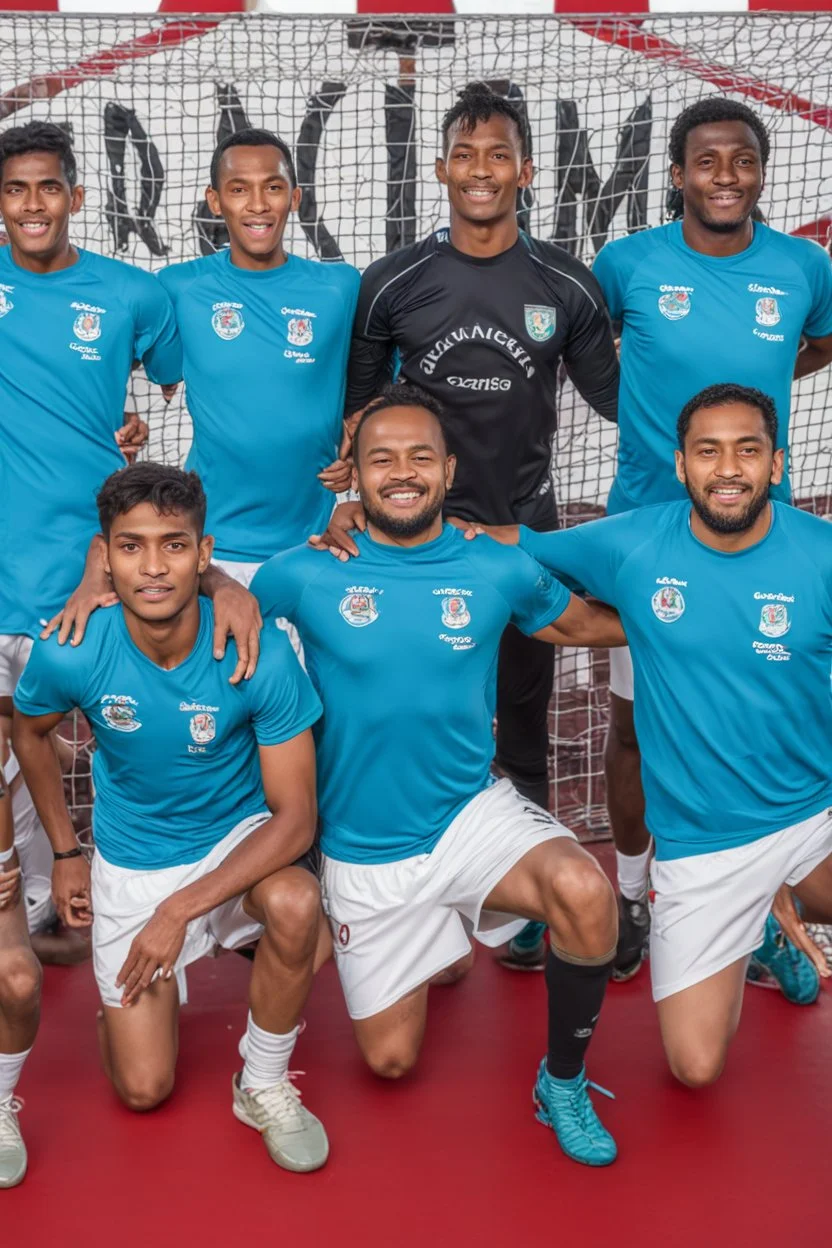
77	852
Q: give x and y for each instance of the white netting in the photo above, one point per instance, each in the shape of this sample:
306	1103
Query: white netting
361	100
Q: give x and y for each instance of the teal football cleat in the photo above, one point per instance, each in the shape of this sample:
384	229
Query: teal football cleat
778	960
564	1105
527	951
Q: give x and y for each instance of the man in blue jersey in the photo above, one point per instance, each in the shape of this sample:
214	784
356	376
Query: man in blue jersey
725	599
421	848
713	295
204	807
266	337
71	325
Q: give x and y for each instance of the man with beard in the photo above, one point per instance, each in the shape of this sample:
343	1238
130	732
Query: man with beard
421	846
725	599
710	296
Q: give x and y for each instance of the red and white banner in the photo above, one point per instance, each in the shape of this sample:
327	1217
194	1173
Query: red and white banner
463	8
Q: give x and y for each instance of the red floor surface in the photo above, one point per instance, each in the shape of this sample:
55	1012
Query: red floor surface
450	1156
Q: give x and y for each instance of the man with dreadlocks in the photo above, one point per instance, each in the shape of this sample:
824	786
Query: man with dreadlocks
714	296
480	316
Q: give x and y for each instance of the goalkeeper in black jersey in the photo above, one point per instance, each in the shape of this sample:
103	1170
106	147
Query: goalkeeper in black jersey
481	315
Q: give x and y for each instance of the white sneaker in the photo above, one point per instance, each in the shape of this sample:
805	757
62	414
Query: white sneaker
13	1158
294	1137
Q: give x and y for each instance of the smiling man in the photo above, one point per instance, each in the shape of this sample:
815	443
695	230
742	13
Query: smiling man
265	337
204	809
725	599
711	296
71	325
421	847
480	315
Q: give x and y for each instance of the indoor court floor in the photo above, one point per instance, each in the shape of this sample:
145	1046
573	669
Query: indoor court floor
452	1155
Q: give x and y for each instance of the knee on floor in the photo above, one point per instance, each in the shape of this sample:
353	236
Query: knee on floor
142	1091
21	976
389	1062
697	1068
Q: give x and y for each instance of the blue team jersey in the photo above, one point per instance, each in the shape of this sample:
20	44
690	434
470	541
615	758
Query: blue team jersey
67	344
401	644
265	374
731	655
689	321
176	765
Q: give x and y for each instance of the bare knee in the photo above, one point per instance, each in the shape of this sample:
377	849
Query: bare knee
291	905
20	981
390	1061
580	887
142	1091
697	1068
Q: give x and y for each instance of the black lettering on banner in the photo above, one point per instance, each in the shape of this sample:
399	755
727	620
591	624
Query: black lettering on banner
319	109
577	178
121	124
211	231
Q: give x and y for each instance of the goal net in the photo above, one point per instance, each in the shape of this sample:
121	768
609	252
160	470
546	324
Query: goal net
360	101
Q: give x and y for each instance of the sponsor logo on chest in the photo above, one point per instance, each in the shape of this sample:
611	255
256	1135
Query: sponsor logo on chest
6	304
202	725
300	332
120	712
227	320
359	606
87	329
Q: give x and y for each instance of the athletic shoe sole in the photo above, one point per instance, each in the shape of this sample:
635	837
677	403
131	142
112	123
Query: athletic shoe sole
284	1164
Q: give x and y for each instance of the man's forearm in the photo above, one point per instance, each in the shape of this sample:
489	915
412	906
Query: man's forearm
275	844
810	358
42	772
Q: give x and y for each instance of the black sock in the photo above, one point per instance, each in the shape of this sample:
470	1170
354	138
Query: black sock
576	994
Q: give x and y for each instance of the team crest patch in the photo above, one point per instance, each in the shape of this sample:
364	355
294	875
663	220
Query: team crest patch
6	304
359	609
120	713
343	935
774	619
455	613
300	331
668	604
674	303
540	321
768	313
203	727
87	326
227	320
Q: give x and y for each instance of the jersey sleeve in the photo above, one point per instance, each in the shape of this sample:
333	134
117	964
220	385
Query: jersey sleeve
588	556
157	342
372	347
819	272
53	679
282	699
280	582
534	597
608	272
589	353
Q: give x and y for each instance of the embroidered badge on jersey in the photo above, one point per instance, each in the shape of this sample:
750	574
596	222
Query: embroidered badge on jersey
675	301
455	613
227	320
359	608
87	325
668	604
774	619
540	322
299	331
203	727
120	712
767	311
6	304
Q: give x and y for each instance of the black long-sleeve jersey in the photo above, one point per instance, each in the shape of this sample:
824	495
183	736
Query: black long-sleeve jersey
485	336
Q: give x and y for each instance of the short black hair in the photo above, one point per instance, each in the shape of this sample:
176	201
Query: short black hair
400	394
40	136
478	102
705	112
167	489
250	137
720	396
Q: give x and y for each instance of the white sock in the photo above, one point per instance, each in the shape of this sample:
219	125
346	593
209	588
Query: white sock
632	873
11	1065
267	1056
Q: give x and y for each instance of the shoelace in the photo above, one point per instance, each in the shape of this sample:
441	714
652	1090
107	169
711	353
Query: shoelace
283	1100
9	1130
581	1105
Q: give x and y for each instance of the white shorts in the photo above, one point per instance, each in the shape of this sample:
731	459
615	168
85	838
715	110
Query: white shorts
710	910
15	649
244	574
621	673
33	851
123	900
397	924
